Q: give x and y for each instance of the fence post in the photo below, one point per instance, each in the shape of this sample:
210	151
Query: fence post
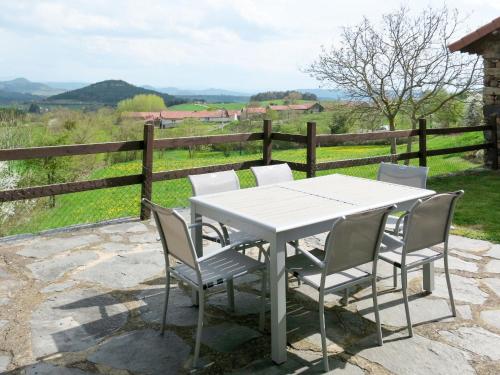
311	149
147	169
267	143
422	142
495	129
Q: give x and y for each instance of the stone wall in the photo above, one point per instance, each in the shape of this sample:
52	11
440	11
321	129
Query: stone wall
489	48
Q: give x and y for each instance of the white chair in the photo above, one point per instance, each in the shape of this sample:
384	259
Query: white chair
272	174
353	241
219	182
201	273
402	175
428	224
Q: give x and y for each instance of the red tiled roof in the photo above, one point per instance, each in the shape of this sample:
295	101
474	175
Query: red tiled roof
304	106
178	115
255	110
142	115
279	107
461	44
292	107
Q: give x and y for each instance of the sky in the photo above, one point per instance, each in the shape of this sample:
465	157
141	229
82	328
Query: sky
239	45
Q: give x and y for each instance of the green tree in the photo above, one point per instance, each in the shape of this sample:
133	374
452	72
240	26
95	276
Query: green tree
339	123
142	103
400	65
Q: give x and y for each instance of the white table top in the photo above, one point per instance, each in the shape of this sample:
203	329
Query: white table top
294	204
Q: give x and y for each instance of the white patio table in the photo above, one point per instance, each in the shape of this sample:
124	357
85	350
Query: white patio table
293	210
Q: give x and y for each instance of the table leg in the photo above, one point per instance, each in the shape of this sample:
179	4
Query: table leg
197	235
278	299
428	277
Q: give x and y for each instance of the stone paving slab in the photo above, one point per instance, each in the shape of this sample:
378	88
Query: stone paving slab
392	312
74	321
414	356
48	369
493	266
494	252
464	289
457	264
46	247
51	269
493	284
181	311
4	362
124	270
227	337
476	340
144	352
491	318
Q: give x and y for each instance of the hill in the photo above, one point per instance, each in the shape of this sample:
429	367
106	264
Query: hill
271	95
24	86
198	92
9	97
326	94
109	92
66	86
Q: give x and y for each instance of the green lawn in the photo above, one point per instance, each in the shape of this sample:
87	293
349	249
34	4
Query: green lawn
475	217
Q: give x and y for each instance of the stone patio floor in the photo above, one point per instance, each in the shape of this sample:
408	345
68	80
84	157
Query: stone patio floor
88	301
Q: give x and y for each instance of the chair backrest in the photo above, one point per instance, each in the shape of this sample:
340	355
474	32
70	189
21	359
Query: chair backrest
272	174
174	235
355	240
429	221
403	175
210	183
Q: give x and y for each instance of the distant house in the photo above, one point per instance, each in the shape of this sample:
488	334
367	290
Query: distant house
302	108
252	112
167	119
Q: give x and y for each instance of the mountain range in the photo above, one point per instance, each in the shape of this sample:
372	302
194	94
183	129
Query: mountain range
23	86
21	90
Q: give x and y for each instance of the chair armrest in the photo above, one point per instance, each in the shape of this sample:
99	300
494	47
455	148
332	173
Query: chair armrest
312	258
222	240
390	242
400	220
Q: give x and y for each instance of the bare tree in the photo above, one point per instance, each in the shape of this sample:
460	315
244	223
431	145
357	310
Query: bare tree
400	66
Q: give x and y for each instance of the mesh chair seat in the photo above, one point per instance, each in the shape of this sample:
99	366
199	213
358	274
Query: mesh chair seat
219	268
412	259
392	249
302	267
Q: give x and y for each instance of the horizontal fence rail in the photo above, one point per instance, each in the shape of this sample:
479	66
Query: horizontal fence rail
69	150
311	140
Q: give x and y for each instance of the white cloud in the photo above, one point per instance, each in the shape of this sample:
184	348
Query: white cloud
241	44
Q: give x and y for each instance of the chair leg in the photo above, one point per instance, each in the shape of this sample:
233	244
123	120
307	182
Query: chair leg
323	331
199	329
395	276
261	253
448	283
230	294
404	287
262	317
375	309
165	304
345	299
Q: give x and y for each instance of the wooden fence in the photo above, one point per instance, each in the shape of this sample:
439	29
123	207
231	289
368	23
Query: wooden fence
267	136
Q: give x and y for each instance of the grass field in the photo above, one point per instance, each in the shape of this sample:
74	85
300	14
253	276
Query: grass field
473	219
